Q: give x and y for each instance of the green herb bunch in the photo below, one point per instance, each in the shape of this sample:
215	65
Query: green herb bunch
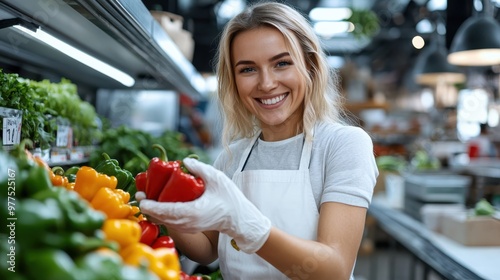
64	101
43	103
19	95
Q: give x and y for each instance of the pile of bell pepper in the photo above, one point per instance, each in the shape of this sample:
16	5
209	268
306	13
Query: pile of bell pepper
52	232
120	226
168	181
156	236
86	225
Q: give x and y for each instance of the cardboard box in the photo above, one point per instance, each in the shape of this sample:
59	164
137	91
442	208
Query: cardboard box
172	24
472	230
432	214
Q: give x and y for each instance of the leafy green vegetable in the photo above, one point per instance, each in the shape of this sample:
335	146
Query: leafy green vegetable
63	100
133	148
391	163
16	93
43	103
423	161
484	208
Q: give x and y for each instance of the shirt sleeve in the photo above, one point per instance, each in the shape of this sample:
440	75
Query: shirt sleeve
350	168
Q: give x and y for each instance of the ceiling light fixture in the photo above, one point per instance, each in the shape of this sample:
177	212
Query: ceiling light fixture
477	41
432	67
79	55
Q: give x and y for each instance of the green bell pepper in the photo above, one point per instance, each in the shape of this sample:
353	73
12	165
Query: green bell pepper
8	170
111	167
100	265
37	180
9	265
70	173
78	213
50	264
76	243
35	217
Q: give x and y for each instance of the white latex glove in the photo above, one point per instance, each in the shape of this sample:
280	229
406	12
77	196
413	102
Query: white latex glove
222	207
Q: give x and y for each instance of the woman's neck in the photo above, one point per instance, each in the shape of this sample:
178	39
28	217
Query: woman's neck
280	132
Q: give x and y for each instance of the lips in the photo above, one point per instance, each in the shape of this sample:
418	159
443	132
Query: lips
272	101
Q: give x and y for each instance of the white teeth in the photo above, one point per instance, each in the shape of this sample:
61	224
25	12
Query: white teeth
272	101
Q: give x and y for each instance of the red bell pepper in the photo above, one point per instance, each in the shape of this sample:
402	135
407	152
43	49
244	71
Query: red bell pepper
163	241
184	276
141	181
150	232
182	186
158	173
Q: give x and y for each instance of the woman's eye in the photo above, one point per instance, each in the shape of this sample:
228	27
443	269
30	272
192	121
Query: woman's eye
246	70
283	63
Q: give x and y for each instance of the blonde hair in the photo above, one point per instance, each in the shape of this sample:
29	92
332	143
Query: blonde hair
322	99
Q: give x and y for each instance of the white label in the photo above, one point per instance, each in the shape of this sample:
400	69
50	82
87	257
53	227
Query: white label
11	131
62	135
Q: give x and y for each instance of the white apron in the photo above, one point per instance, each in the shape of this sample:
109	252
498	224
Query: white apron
286	198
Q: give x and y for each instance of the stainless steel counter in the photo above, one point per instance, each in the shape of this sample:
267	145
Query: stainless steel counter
446	258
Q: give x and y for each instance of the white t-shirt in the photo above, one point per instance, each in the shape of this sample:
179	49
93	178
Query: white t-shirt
342	167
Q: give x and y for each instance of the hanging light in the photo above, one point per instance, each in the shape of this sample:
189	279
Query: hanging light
432	67
477	41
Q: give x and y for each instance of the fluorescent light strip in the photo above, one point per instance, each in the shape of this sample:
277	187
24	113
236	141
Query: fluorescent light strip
80	56
329	14
332	28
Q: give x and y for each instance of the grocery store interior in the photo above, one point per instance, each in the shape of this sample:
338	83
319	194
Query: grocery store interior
81	78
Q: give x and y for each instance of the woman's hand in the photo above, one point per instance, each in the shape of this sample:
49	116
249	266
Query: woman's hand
222	207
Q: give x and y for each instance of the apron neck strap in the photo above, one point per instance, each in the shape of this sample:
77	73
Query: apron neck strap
246	153
305	157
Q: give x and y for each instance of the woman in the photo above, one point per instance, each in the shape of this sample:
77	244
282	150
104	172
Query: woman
301	181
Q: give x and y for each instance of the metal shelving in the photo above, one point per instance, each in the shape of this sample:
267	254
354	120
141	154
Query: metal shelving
120	32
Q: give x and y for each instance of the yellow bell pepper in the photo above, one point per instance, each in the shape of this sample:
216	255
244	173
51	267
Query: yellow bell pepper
122	231
162	261
167	265
70	186
89	181
136	215
123	194
111	203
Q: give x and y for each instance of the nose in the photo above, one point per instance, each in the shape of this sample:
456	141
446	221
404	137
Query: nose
267	80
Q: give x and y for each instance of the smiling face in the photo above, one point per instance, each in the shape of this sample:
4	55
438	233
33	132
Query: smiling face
269	82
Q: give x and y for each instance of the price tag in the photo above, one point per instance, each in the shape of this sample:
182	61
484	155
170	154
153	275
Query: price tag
62	135
11	131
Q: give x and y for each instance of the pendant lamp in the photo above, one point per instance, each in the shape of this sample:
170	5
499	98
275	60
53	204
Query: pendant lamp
432	66
477	41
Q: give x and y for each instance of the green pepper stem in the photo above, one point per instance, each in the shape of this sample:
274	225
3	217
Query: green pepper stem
195	156
105	156
58	170
25	142
133	203
20	150
183	167
163	153
139	155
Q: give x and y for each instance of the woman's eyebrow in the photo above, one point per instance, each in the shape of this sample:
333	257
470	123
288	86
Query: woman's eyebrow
243	62
276	57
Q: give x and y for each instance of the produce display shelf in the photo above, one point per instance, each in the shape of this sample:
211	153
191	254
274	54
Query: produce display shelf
439	254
